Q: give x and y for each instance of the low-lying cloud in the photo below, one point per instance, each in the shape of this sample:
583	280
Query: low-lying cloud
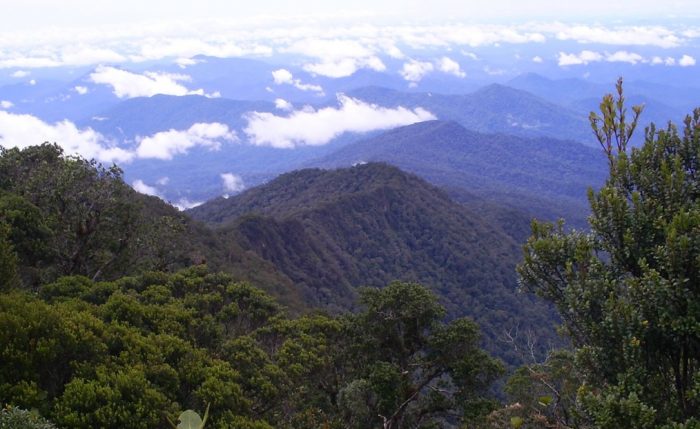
450	66
414	71
339	57
25	130
318	127
686	61
166	144
126	84
586	57
285	77
22	130
143	188
232	182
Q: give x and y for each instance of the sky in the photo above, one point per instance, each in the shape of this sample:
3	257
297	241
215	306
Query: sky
37	15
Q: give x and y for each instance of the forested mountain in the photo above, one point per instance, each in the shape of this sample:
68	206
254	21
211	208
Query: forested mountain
543	177
69	216
333	231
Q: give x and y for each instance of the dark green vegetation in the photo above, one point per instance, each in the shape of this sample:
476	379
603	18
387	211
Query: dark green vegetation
131	352
67	216
543	177
333	231
95	332
627	290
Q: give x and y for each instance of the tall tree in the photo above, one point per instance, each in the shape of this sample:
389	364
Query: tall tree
628	291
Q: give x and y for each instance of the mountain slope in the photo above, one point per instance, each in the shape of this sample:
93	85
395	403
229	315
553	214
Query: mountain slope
544	177
493	109
333	231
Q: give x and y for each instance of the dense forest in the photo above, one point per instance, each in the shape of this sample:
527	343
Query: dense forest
299	304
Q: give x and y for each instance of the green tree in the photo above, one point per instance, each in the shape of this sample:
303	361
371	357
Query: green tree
8	260
17	418
416	370
627	291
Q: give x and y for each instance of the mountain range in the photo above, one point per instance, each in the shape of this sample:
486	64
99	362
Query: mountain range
332	231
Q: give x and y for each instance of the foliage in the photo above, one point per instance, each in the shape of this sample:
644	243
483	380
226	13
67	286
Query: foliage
627	291
416	371
65	215
131	352
17	418
332	232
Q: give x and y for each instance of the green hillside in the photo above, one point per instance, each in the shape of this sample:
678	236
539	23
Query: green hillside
333	231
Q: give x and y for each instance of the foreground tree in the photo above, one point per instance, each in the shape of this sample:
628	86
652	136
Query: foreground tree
414	370
628	291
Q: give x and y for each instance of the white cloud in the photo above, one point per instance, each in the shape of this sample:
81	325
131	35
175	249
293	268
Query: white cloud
413	71
584	57
450	66
537	59
86	55
20	74
344	67
686	61
218	46
4	104
25	130
126	84
624	35
624	57
32	82
668	61
166	144
20	60
232	182
338	57
282	76
82	90
163	181
184	204
283	104
318	127
141	187
186	62
285	77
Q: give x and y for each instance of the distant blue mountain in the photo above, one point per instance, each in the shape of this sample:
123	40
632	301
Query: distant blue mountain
542	176
493	109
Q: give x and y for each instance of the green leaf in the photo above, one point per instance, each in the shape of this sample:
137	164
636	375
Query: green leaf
516	422
544	400
190	420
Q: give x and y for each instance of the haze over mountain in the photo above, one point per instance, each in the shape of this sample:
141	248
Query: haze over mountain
543	177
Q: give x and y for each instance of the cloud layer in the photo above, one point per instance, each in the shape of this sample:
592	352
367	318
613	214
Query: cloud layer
326	49
166	144
19	130
318	127
26	130
586	57
126	84
285	77
232	182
